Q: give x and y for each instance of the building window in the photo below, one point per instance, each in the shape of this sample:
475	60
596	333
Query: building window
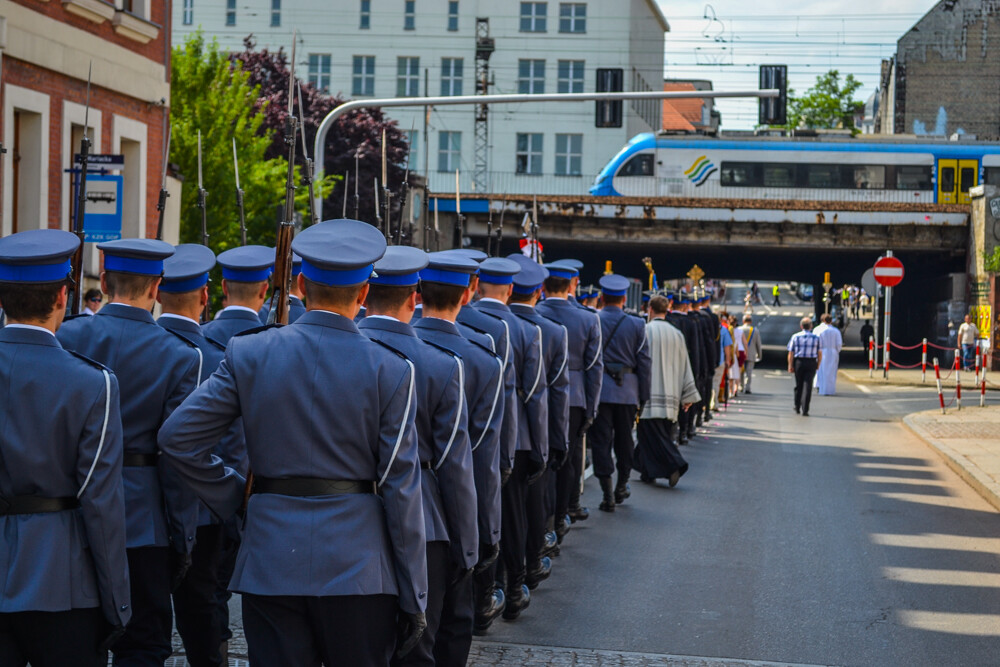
407	76
410	15
569	154
187	17
363	77
609	114
449	151
529	153
572	17
230	12
366	14
533	16
319	70
570	76
275	13
453	15
451	76
530	76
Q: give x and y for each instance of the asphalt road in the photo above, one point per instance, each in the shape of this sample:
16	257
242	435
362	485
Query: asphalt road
838	538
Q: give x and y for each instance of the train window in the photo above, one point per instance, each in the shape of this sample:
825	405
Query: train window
992	176
779	175
946	179
913	178
739	174
823	176
869	177
967	178
640	165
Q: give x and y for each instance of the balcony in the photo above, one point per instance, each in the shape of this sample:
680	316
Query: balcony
97	11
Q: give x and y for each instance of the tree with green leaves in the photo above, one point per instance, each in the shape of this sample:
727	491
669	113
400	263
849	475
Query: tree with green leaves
828	105
213	94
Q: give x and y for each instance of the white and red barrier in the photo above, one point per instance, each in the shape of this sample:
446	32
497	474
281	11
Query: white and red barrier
937	375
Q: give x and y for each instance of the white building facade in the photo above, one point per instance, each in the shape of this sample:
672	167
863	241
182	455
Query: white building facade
396	48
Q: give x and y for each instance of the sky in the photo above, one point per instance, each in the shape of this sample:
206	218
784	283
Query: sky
811	38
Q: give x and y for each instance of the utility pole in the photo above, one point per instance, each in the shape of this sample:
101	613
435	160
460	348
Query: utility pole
485	45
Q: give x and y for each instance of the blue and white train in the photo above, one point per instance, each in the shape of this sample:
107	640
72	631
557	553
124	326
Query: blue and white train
822	168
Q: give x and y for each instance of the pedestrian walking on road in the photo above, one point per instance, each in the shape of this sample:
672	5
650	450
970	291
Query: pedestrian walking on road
867	333
804	357
968	334
751	340
776	293
830	343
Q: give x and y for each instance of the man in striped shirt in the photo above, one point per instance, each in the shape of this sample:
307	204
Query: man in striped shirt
804	357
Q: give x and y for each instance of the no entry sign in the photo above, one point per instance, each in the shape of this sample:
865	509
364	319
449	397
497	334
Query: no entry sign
888	271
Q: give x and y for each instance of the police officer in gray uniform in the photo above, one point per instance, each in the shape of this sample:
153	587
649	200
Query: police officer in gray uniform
624	390
446	476
444	285
332	566
182	296
586	372
156	370
245	271
296	308
64	579
496	278
541	496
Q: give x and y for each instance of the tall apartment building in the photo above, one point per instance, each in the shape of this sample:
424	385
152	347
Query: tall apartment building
406	48
46	49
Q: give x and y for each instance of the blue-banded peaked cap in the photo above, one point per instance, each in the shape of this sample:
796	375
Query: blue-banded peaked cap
471	253
614	284
498	271
339	253
575	263
530	277
187	269
142	257
449	267
247	264
563	268
399	266
37	256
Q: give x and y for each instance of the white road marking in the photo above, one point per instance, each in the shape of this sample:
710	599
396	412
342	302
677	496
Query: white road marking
954	623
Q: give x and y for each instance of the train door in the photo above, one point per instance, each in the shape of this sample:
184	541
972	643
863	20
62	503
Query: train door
968	177
947	181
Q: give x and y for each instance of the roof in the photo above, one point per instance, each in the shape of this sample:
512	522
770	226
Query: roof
682	114
674	120
658	13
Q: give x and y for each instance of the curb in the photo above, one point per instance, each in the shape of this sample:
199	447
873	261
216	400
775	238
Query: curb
877	381
981	483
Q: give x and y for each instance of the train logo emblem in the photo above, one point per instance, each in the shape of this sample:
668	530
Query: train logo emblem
699	172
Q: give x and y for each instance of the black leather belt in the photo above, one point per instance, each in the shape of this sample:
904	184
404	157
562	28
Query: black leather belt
625	369
426	465
310	486
35	505
140	460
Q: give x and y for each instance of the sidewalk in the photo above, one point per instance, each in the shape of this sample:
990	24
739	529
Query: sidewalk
912	378
968	441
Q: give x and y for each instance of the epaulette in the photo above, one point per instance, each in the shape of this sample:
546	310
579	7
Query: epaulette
216	343
96	364
184	338
254	330
476	329
398	353
443	349
75	317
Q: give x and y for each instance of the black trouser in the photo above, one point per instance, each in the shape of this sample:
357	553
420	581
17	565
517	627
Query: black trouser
53	638
454	632
227	562
301	631
568	477
194	600
613	429
147	636
805	371
438	573
514	522
537	518
483	584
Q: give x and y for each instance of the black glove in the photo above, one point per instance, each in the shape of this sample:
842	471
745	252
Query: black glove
114	634
585	426
536	467
557	457
505	475
638	412
180	563
458	574
488	554
409	629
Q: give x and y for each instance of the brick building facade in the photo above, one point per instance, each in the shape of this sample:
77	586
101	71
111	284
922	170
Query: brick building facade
46	48
945	77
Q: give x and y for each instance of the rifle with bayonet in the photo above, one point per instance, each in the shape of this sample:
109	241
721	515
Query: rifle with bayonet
307	174
76	305
459	219
503	211
161	202
357	178
387	194
203	205
239	197
403	193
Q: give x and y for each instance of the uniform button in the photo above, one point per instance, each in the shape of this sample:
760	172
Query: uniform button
124	607
421	596
190	537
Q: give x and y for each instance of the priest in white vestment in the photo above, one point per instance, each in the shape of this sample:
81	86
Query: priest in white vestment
830	342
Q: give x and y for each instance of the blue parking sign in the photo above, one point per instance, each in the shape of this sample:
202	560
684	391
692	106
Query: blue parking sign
102	220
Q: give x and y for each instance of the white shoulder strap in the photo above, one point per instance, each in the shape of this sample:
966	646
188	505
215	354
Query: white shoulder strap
104	431
402	426
458	413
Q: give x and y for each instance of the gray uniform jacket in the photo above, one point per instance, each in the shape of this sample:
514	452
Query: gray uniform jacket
586	366
484	393
447	487
532	395
628	347
62	438
555	356
296	309
232	449
156	371
318	399
496	330
229	323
